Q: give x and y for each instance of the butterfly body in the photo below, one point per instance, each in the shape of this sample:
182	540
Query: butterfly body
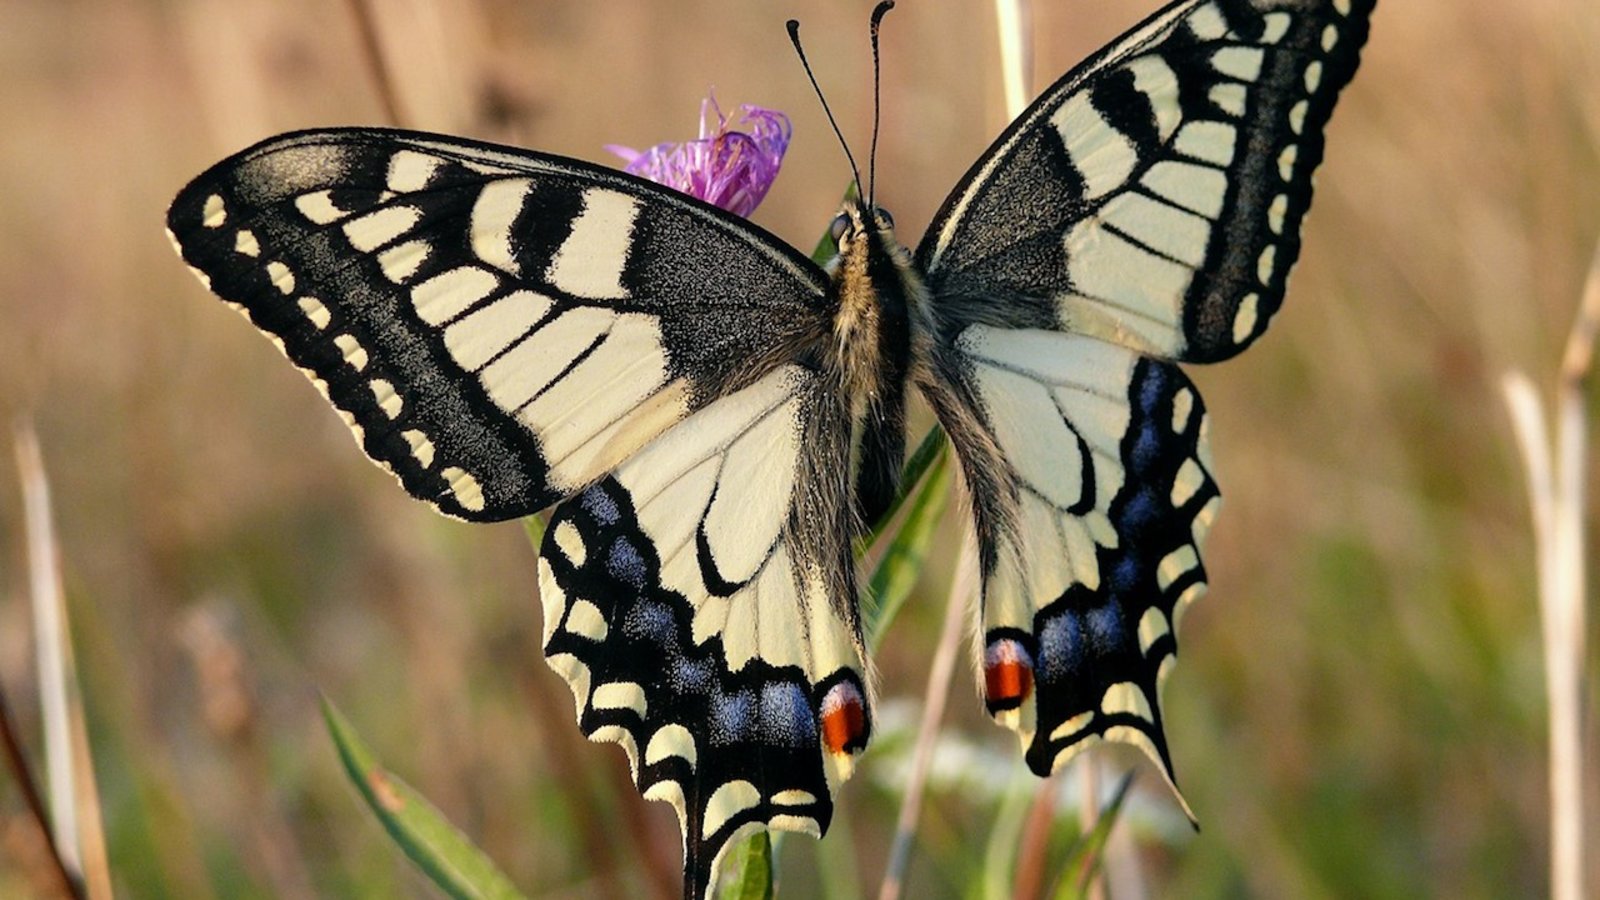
880	330
716	417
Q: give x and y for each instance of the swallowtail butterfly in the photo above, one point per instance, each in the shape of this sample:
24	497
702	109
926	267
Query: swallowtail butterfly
714	416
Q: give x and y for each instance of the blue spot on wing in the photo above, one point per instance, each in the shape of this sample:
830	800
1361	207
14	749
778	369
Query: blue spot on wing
648	621
1106	631
732	716
689	676
1152	387
599	504
1145	453
1061	647
1142	510
1124	576
786	715
625	564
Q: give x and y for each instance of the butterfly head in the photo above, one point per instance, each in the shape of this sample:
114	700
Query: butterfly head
878	289
861	231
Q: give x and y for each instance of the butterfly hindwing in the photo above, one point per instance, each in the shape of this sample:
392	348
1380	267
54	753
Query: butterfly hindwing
498	327
1153	196
699	603
1091	482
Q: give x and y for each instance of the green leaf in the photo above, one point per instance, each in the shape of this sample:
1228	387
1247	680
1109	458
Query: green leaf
443	854
1084	859
535	525
838	877
1005	835
752	868
931	446
901	563
826	248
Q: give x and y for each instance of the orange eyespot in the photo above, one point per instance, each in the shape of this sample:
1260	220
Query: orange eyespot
844	719
1007	674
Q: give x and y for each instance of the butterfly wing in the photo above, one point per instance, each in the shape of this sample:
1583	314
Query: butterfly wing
1146	208
1092	489
499	328
502	329
1153	196
700	604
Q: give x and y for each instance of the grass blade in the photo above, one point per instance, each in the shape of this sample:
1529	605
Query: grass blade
827	248
74	797
929	449
752	861
17	764
963	586
534	527
1082	863
897	570
443	853
44	579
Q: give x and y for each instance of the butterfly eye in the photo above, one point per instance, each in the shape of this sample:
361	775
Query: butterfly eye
884	219
841	223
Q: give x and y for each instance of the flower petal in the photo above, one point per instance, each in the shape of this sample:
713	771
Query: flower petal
729	167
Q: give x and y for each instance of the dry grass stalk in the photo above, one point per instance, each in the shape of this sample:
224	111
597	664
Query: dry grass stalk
1556	491
963	585
1015	20
44	583
78	838
376	65
17	763
1033	852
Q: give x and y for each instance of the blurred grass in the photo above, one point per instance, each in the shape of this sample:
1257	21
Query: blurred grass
1359	708
443	853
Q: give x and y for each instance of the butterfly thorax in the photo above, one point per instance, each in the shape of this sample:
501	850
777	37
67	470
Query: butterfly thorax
879	296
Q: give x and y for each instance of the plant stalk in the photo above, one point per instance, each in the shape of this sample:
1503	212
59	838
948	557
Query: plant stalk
1556	486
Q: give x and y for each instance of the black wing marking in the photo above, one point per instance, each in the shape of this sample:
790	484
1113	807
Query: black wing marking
700	604
1153	196
1090	480
499	328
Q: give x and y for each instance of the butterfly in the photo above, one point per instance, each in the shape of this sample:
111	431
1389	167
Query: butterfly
714	417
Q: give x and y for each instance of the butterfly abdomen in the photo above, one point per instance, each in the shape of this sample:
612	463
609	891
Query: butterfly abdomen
878	291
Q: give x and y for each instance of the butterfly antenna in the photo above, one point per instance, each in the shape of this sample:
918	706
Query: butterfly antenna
878	13
794	38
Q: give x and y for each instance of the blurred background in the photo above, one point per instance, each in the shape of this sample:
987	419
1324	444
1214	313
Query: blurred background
1359	710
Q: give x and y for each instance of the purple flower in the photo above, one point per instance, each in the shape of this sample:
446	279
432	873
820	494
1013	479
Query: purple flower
725	166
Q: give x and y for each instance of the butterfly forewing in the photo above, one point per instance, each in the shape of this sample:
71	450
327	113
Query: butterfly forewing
1153	196
699	611
498	328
